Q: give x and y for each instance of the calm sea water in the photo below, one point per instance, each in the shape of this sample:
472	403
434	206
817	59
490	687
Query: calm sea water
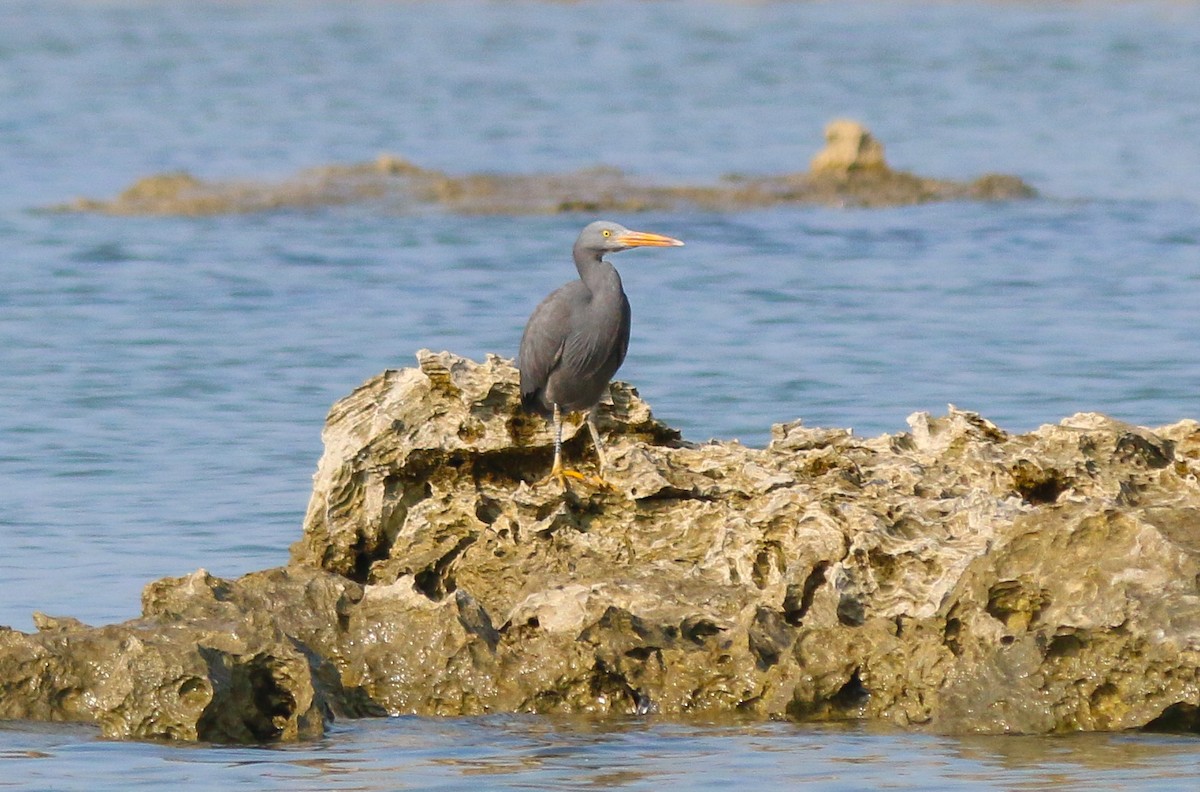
523	753
163	382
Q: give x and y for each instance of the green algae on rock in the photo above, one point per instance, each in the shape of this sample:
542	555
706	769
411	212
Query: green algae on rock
955	578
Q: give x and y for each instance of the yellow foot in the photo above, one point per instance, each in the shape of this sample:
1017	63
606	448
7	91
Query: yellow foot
562	474
600	483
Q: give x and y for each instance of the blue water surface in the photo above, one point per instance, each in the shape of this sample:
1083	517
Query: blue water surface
163	381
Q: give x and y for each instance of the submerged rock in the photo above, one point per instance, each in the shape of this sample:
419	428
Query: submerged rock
849	171
954	577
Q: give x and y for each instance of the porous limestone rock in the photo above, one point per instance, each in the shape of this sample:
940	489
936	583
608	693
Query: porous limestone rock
212	678
953	577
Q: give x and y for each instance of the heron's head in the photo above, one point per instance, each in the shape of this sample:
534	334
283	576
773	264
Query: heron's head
603	237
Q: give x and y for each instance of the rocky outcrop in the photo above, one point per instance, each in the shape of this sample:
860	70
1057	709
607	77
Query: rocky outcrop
849	171
849	146
954	577
220	661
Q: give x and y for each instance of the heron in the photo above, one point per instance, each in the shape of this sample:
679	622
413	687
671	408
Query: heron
577	337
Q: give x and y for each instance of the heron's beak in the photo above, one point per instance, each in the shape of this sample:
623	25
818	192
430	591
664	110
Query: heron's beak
645	239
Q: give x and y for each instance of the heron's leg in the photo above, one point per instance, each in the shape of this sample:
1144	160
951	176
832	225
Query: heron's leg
557	439
591	422
558	471
598	480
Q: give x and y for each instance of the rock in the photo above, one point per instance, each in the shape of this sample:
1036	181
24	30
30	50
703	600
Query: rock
419	431
251	660
850	171
955	578
148	681
159	187
848	146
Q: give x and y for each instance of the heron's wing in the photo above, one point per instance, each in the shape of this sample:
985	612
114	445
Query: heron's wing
596	348
623	334
542	343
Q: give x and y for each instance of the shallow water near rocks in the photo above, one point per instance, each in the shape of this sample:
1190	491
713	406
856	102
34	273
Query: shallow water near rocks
163	381
527	752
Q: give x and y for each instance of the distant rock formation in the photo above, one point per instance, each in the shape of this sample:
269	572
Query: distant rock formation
849	146
954	578
850	171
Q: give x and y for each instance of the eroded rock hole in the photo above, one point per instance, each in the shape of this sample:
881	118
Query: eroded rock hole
769	636
799	598
273	704
643	653
951	636
1133	448
399	496
1069	645
435	580
697	628
610	686
1037	486
250	703
1180	717
850	611
853	695
488	510
365	554
768	560
1015	604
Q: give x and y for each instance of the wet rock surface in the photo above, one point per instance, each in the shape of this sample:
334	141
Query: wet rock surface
954	577
849	171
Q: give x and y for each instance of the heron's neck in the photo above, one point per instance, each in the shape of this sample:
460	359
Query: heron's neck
598	275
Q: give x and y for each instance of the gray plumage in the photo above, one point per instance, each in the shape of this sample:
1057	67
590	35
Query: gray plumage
577	337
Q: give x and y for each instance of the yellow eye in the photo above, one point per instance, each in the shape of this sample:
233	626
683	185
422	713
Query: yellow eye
606	232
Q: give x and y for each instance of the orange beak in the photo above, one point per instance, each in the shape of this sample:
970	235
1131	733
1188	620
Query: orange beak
645	239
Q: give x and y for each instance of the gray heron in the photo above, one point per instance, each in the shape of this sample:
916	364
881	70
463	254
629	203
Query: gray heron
577	337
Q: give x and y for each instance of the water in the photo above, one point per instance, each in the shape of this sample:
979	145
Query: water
163	382
514	753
